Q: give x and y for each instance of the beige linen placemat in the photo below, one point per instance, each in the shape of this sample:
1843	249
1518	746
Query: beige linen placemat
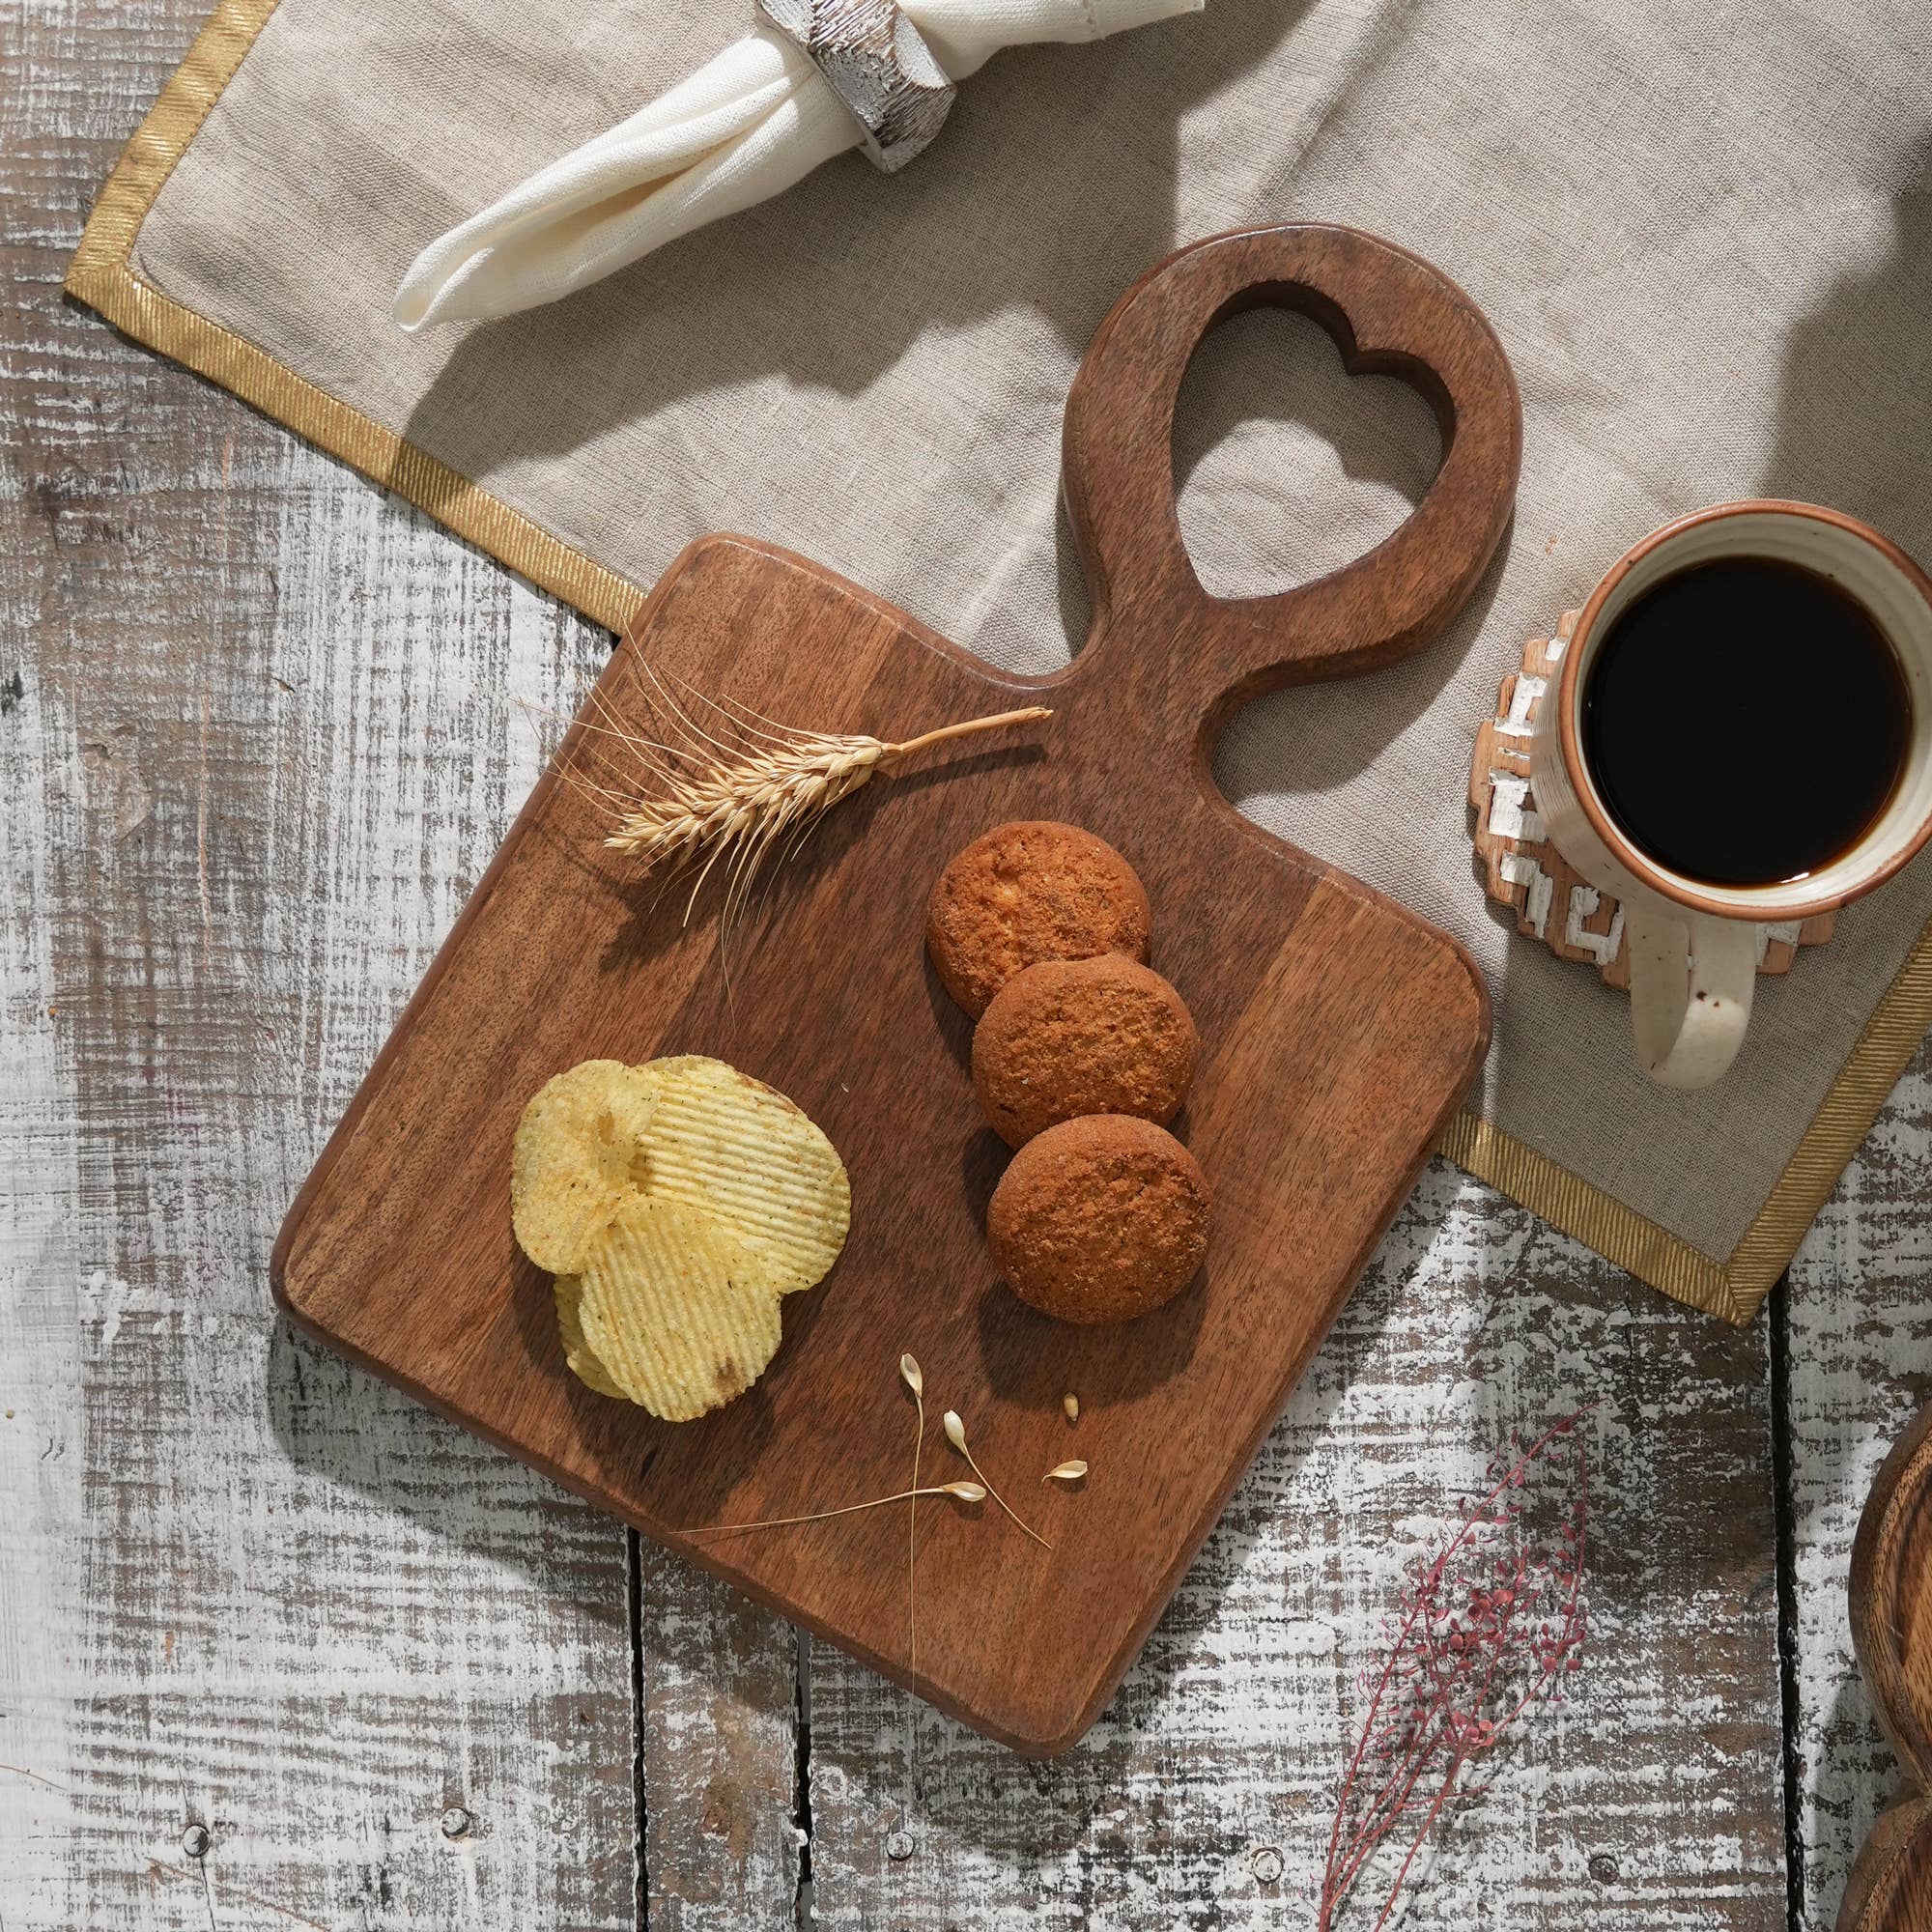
1701	229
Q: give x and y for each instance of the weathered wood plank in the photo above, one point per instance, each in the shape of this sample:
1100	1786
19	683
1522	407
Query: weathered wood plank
48	134
310	1618
718	1686
39	1316
262	744
1856	1341
1653	1800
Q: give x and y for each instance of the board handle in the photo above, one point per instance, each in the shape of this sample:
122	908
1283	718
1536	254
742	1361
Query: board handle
1389	313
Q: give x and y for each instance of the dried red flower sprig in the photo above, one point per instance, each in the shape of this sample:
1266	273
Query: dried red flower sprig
1491	1621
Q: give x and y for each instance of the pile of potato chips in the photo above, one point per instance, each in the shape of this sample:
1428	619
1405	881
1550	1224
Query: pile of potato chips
677	1203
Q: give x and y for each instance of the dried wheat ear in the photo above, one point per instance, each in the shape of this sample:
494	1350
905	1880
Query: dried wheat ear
713	784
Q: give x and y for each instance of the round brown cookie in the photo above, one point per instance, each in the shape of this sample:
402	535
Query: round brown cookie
1026	892
1070	1037
1100	1219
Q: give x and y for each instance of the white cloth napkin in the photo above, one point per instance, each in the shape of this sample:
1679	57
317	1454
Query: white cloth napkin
746	127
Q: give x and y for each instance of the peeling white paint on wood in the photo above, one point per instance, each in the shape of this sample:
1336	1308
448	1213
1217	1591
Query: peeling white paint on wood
1584	902
1517	721
1521	872
1511	813
723	1832
40	1465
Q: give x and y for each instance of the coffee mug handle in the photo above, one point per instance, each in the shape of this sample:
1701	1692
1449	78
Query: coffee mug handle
1691	979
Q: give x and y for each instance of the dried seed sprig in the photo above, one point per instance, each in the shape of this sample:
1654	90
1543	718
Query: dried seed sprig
909	1370
1071	1404
1491	1620
955	1434
1073	1471
914	1380
963	1493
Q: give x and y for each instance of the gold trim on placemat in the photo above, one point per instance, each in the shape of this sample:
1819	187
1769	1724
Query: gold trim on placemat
1599	1220
1734	1288
101	274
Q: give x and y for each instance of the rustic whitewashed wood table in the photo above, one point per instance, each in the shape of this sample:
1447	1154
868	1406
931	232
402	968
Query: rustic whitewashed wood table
277	1648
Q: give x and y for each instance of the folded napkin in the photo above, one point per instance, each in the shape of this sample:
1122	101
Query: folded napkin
748	126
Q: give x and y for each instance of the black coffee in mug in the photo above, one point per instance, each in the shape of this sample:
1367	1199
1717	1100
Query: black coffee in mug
1745	722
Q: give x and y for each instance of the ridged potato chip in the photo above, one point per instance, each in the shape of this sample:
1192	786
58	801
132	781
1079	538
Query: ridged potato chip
729	1146
677	1309
577	1159
578	1354
675	1203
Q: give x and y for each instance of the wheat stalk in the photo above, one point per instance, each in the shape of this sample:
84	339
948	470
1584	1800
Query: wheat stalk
712	800
768	793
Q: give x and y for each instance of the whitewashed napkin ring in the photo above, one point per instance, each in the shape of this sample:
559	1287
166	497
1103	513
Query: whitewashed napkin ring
877	63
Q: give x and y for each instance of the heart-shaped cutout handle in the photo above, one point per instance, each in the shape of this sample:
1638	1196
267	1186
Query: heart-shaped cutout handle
1194	658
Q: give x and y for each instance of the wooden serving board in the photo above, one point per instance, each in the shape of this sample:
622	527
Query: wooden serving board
1338	1034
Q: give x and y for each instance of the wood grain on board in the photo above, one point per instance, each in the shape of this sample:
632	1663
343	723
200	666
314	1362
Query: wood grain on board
222	558
1854	1337
1338	1034
1890	1886
1892	1598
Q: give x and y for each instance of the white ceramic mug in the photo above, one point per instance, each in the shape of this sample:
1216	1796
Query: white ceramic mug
1694	947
